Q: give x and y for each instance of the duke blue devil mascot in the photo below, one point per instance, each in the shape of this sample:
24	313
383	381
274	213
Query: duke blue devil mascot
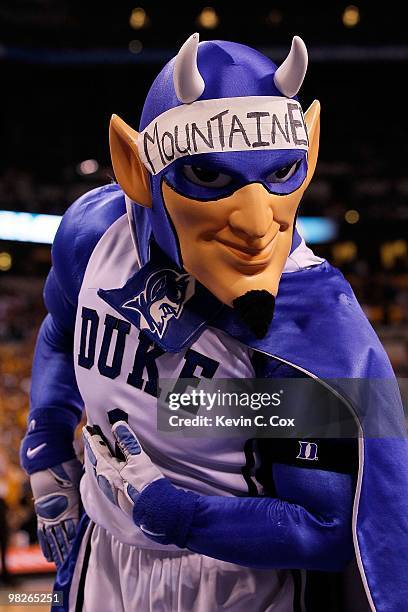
190	266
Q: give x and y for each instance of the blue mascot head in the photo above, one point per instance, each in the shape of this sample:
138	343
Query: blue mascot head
217	170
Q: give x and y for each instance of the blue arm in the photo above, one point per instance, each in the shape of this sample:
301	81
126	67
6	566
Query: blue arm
307	526
55	402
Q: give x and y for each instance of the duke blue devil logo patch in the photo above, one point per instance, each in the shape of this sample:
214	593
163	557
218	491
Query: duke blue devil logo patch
162	299
164	302
308	451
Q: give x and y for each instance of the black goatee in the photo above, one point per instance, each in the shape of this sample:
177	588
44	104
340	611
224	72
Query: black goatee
255	309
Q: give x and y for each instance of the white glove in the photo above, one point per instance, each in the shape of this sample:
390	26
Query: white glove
160	510
121	481
57	504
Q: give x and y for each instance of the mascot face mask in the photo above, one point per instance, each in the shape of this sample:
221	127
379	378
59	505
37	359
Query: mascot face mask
221	161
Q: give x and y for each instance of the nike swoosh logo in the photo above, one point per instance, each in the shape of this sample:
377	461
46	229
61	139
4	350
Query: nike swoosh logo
152	533
32	452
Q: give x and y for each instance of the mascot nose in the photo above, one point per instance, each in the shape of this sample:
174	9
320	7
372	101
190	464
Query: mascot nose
252	215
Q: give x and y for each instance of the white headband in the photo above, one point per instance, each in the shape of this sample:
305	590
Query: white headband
226	124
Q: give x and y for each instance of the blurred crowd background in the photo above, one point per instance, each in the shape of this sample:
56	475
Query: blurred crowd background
67	66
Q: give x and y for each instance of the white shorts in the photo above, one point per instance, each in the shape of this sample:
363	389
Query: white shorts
111	576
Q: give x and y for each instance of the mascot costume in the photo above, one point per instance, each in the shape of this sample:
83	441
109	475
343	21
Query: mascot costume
190	266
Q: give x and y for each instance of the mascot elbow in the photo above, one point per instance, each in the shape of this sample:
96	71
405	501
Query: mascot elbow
336	549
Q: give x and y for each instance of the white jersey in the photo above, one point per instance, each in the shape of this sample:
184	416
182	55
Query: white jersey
206	466
209	466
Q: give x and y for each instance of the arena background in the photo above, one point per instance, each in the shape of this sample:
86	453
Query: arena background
66	66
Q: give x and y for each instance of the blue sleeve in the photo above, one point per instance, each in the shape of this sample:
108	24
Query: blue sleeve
307	525
55	402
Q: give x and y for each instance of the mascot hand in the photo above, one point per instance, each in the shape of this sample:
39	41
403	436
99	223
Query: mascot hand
121	480
162	511
57	505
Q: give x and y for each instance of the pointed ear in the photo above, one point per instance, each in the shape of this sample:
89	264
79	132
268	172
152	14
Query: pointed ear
312	120
129	170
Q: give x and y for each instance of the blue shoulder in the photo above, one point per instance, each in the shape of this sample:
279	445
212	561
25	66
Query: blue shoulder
350	335
318	325
335	338
80	230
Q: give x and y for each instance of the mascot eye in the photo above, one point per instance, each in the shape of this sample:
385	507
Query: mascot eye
206	178
283	174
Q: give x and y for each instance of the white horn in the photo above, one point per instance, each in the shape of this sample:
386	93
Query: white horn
289	76
188	82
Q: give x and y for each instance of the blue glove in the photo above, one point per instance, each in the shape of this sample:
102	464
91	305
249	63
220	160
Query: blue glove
57	504
121	480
